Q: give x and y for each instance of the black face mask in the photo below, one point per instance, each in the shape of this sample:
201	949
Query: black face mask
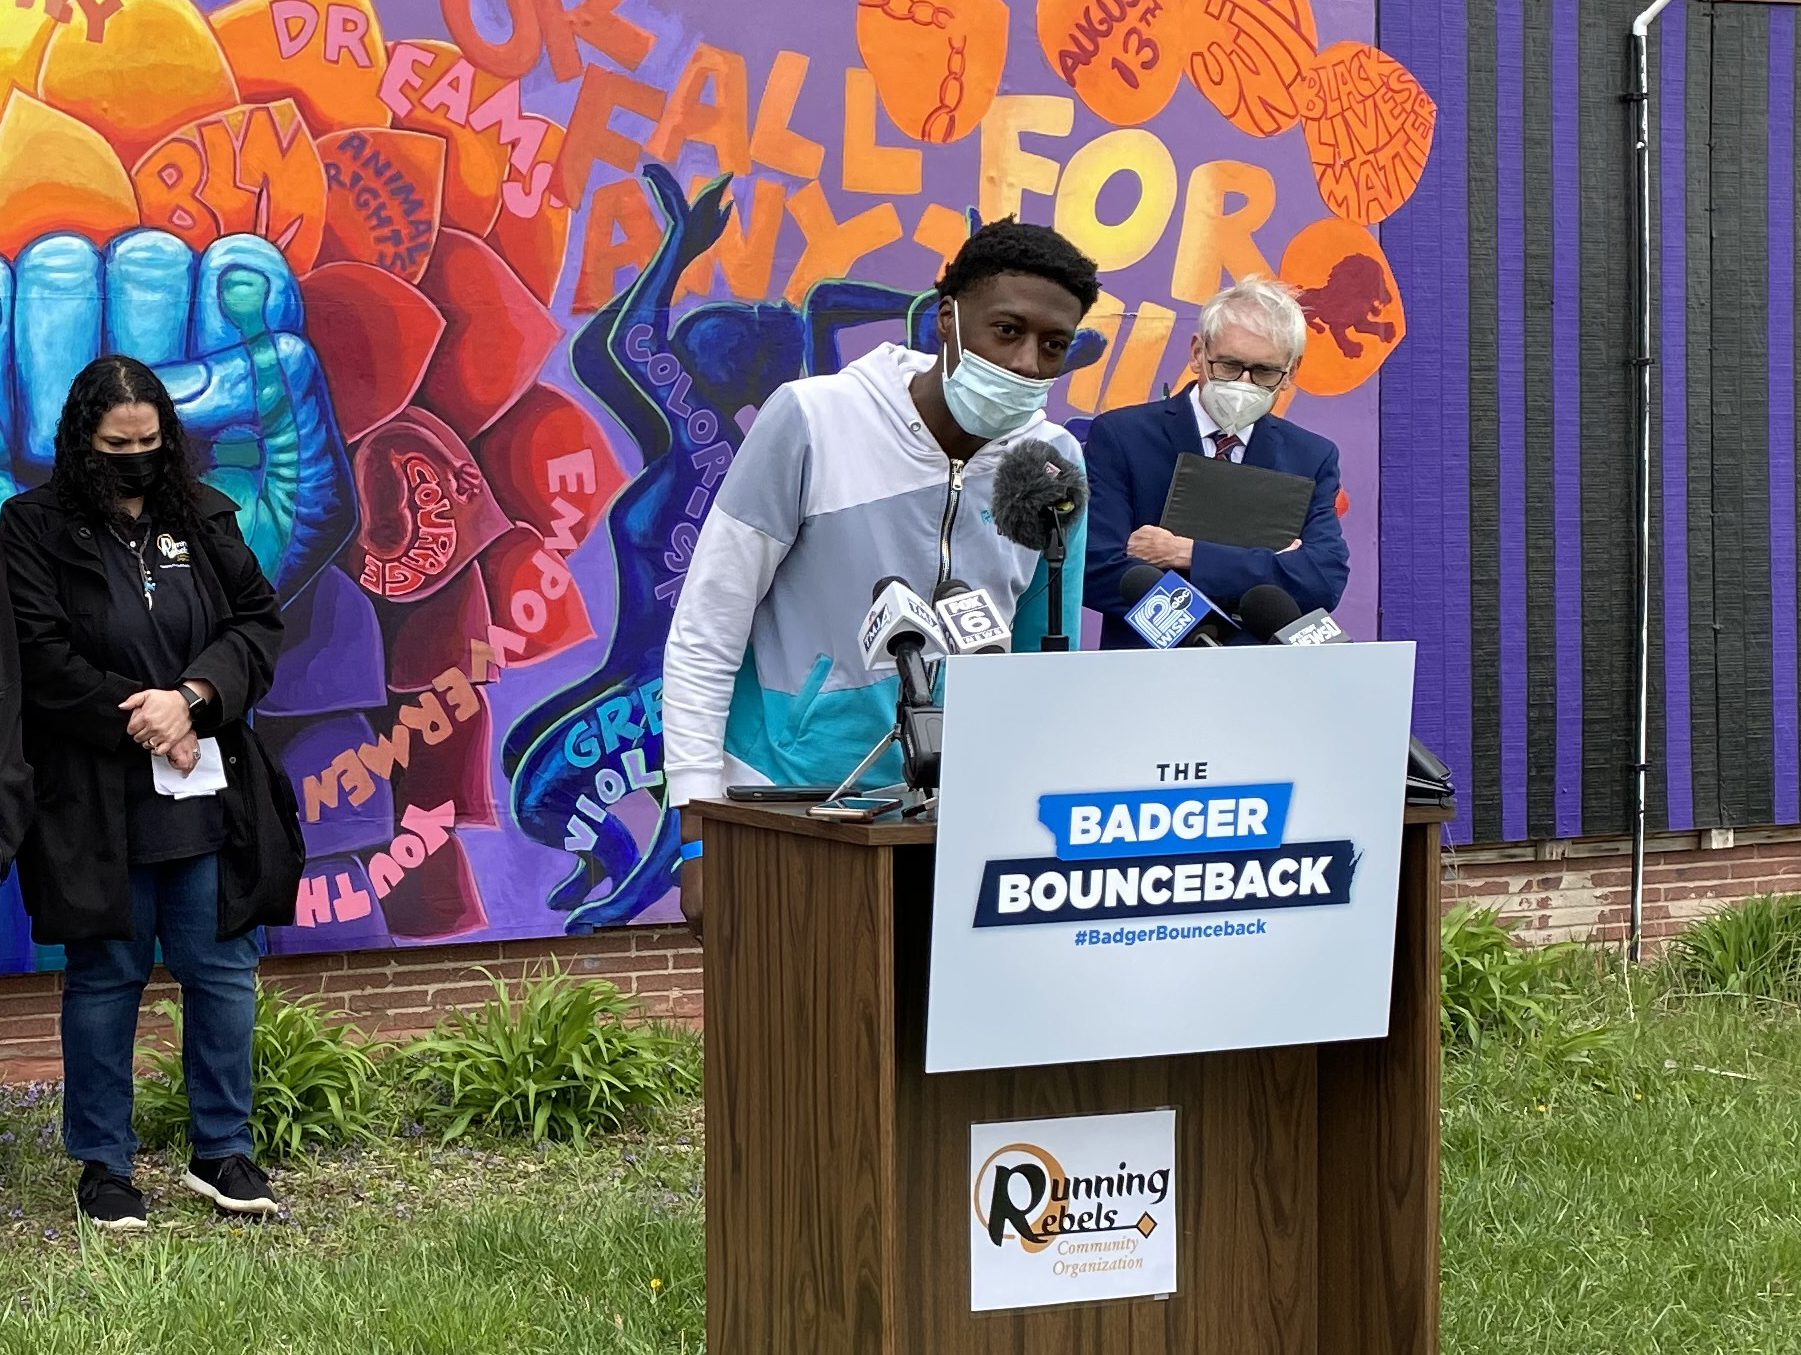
137	472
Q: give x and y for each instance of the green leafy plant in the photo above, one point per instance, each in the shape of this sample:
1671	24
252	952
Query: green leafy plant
560	1060
1751	950
314	1083
680	1051
1489	984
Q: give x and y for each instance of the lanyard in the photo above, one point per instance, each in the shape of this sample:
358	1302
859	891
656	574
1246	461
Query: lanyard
137	549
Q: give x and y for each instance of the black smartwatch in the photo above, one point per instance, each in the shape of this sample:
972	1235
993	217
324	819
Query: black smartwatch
194	699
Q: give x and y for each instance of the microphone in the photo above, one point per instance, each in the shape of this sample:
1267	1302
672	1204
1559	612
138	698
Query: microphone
1270	614
900	632
1315	628
1266	609
970	621
1166	610
1037	492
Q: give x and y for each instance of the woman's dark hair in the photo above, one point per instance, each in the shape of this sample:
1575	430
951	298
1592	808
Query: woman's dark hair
1011	246
83	477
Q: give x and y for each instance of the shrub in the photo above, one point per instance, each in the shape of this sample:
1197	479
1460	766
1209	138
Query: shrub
680	1051
1490	985
559	1061
1751	950
313	1085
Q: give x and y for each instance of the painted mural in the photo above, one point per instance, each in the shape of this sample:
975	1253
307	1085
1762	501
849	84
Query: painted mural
468	306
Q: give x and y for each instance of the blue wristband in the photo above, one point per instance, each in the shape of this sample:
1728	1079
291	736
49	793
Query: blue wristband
691	851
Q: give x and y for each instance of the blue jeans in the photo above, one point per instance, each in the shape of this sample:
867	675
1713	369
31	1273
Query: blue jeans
176	902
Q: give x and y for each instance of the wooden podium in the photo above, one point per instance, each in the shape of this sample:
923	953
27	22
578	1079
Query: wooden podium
837	1204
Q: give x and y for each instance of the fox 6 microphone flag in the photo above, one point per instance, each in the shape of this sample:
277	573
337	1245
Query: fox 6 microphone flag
897	611
1209	861
972	623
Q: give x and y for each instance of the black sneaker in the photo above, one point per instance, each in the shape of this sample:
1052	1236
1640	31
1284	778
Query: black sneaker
108	1201
236	1184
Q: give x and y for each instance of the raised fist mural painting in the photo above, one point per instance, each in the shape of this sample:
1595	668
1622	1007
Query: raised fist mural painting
467	306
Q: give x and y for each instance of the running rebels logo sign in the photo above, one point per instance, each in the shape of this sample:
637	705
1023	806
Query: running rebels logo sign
1072	1210
1024	1198
1172	851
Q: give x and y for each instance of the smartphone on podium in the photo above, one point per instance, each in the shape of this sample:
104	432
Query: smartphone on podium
855	808
779	795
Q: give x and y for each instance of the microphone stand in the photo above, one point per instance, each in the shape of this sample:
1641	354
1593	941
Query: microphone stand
1055	641
915	800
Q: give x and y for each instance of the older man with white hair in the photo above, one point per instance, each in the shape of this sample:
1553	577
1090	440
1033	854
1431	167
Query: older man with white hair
1243	356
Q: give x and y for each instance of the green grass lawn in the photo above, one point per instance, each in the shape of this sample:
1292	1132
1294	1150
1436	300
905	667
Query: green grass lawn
1648	1202
406	1248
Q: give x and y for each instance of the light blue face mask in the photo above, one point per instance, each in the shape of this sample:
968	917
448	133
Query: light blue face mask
988	401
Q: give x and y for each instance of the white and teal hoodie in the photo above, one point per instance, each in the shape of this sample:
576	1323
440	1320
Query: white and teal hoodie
838	485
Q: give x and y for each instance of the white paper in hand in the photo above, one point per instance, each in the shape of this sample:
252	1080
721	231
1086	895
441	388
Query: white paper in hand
206	779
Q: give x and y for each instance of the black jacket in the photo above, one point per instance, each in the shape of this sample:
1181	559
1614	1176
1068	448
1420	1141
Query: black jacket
16	796
72	866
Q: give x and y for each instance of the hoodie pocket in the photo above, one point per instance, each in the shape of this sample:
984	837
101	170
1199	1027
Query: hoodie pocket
805	699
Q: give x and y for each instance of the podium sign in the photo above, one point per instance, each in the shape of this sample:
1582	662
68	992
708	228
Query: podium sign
1143	853
1072	1210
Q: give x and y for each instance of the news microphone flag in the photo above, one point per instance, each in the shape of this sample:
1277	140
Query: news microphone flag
972	624
896	613
1315	628
1169	610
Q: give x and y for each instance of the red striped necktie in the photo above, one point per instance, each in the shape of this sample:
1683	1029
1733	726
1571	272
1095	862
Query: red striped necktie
1224	444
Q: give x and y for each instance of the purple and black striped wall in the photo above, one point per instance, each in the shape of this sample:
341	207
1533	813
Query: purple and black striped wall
1507	434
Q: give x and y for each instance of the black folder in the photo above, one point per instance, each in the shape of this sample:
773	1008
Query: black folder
1211	499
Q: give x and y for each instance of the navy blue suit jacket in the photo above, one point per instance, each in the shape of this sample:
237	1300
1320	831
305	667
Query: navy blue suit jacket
1131	459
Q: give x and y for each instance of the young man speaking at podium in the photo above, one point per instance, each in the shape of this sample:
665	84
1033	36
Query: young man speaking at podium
884	469
1244	355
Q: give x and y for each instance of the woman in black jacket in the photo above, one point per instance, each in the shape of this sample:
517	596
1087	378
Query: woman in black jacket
146	633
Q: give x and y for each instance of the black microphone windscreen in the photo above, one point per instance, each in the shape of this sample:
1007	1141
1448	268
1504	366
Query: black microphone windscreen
950	588
1136	582
876	592
1265	609
1034	480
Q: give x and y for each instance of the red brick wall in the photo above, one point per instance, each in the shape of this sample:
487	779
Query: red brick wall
390	992
1581	890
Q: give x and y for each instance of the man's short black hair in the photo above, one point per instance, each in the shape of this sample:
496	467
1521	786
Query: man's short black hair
1010	246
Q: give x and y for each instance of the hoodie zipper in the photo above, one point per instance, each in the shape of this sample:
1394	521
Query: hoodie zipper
952	497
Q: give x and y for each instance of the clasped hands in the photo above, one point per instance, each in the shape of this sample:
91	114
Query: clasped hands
161	725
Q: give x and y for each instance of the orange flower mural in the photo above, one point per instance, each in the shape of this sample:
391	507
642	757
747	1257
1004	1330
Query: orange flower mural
24	33
157	68
1369	130
57	173
384	198
1250	58
331	64
1123	58
1354	315
250	170
937	63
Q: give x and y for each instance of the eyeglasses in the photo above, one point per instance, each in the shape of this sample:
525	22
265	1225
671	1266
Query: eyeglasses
1228	369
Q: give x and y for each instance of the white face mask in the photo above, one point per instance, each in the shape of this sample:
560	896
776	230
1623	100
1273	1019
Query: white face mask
988	401
1236	405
